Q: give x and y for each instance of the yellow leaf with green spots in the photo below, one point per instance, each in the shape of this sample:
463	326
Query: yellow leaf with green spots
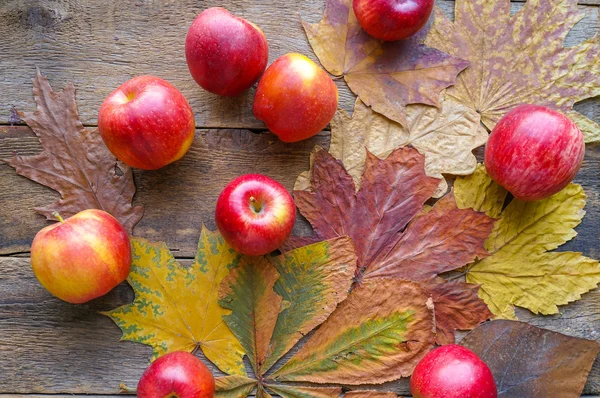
378	334
234	386
520	269
176	308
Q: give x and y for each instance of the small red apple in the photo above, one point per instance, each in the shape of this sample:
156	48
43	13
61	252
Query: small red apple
178	374
452	371
392	20
255	214
534	152
225	54
146	123
295	98
82	257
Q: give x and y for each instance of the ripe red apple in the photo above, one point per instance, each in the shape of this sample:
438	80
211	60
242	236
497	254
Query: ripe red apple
82	257
295	98
391	20
255	214
178	374
146	123
225	54
534	152
452	371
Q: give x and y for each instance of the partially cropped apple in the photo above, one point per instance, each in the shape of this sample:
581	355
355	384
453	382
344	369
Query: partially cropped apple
255	214
146	123
295	98
178	374
452	371
225	54
82	257
534	152
391	20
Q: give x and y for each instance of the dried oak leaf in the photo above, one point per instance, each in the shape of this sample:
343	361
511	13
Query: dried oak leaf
527	361
176	308
378	334
392	235
74	160
520	270
446	136
520	58
385	75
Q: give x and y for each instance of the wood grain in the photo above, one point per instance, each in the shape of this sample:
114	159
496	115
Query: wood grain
178	198
49	346
99	44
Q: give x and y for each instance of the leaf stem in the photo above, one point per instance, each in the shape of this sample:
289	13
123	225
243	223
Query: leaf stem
123	389
58	216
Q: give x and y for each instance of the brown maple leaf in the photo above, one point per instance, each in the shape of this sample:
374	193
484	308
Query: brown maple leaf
74	160
520	58
385	75
393	236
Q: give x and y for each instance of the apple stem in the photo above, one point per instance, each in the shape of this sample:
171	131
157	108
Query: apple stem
58	216
255	204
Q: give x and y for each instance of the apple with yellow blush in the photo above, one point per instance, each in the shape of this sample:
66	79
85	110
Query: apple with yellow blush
82	257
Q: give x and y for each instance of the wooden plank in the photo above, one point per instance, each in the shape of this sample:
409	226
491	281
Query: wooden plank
49	346
178	198
99	44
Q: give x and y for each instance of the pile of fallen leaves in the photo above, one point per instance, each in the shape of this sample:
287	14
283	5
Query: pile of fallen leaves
380	281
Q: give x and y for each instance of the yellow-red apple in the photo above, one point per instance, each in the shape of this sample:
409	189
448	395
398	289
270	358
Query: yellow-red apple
255	214
225	54
146	123
178	374
82	257
295	98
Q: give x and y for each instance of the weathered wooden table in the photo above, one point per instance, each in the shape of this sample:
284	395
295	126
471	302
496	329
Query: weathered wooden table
50	347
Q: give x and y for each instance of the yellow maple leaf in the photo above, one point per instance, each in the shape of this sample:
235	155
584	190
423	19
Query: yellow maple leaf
520	270
176	308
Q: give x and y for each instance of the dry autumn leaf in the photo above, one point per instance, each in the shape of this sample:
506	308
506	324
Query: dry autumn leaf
370	394
305	392
520	270
520	58
446	136
176	308
387	76
378	334
233	386
527	361
74	160
392	235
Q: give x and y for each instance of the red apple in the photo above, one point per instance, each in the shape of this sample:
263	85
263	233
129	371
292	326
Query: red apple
452	371
391	20
255	214
295	98
178	374
225	54
82	257
534	152
146	123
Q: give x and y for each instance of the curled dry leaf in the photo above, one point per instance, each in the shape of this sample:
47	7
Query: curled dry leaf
520	58
385	75
527	361
176	308
393	235
74	160
520	270
446	136
379	333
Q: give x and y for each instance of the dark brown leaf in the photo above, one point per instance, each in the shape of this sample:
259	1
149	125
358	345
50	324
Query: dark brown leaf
527	361
74	160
